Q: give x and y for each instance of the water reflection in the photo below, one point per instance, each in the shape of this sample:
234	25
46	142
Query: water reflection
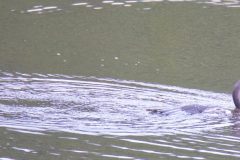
127	3
103	106
50	116
74	146
42	9
94	118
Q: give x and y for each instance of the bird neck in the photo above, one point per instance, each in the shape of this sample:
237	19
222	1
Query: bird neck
236	95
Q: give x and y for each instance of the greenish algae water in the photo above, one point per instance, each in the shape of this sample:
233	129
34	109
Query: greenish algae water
77	78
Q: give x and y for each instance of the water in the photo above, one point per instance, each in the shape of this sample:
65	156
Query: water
72	117
189	44
77	79
100	106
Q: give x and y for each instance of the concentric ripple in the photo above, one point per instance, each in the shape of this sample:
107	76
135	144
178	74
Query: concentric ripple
103	106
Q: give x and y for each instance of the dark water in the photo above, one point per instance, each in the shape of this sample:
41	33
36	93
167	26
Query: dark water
77	78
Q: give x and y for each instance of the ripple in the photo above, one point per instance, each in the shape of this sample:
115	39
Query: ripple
59	6
103	106
107	1
80	4
42	9
117	3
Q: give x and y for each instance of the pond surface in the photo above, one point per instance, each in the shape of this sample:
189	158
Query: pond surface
58	116
77	79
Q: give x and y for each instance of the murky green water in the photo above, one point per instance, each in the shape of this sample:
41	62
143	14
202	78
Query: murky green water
76	79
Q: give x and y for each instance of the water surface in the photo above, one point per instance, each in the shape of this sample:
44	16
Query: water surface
77	78
71	117
193	44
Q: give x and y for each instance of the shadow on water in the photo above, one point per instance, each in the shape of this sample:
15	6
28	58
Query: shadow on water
94	118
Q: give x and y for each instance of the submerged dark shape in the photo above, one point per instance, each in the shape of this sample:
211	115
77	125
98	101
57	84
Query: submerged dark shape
190	109
195	109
